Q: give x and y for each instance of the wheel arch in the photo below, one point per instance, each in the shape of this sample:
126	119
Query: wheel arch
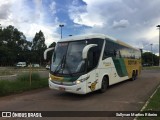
107	77
104	83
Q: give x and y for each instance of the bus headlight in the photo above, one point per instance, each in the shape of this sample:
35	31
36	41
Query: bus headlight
50	78
81	80
78	81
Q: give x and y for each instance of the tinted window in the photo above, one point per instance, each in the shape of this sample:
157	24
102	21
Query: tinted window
94	53
113	49
109	50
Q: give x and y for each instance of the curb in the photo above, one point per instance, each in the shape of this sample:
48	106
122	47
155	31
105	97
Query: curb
9	75
145	105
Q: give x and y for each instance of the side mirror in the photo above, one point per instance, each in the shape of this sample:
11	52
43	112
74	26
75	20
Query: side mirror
86	49
45	52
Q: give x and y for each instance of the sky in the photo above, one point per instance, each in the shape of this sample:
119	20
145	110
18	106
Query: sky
131	21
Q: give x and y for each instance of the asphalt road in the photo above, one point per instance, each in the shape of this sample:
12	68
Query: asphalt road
125	96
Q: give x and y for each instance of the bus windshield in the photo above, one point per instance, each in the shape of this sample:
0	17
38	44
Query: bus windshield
67	58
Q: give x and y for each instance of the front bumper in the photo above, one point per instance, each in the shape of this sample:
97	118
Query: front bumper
78	88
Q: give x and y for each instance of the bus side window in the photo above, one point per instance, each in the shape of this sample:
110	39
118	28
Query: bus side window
118	54
108	50
114	53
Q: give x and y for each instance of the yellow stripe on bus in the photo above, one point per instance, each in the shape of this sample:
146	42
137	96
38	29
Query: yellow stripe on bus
56	78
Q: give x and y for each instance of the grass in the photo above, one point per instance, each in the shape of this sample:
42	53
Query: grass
22	84
151	68
12	70
153	105
5	72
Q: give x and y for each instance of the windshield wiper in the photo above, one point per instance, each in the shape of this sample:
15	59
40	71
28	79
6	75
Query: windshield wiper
62	65
69	71
59	65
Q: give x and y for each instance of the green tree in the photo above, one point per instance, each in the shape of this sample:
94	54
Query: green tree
147	58
52	45
38	47
49	54
13	46
1	30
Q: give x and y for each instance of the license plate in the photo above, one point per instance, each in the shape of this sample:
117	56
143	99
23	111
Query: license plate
61	88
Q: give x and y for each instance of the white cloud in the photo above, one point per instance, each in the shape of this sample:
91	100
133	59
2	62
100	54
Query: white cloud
100	2
137	18
29	20
120	24
83	15
52	7
4	11
32	29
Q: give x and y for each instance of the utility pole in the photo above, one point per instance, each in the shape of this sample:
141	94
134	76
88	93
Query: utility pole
152	54
141	50
159	43
61	25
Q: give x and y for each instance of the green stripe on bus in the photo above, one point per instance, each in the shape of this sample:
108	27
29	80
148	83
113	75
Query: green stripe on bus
70	79
120	66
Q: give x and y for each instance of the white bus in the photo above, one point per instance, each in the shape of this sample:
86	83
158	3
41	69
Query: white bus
85	63
21	64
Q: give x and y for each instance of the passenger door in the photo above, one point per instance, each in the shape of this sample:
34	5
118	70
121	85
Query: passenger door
93	72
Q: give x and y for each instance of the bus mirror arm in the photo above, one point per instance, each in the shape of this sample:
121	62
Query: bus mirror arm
45	52
86	49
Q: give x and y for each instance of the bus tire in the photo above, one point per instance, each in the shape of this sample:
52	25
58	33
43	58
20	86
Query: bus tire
133	76
104	85
136	74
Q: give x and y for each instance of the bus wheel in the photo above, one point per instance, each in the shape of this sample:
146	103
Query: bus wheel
104	85
133	76
136	74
